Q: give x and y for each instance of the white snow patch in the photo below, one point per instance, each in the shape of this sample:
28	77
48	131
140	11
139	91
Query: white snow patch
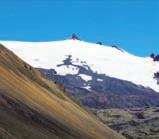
87	87
64	70
85	77
100	80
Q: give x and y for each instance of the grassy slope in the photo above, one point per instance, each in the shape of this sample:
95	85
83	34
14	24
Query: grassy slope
22	82
135	123
12	126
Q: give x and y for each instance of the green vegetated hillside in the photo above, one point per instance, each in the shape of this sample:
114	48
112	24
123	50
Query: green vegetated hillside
134	123
32	107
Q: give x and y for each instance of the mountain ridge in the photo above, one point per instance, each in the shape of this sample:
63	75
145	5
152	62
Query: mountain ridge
101	59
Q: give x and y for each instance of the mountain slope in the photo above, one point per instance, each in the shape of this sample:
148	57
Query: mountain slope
111	61
33	107
107	92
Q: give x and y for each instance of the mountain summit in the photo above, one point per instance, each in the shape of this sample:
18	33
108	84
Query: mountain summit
66	56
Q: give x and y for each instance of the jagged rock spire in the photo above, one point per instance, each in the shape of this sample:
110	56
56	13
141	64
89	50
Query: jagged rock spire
152	55
75	37
100	43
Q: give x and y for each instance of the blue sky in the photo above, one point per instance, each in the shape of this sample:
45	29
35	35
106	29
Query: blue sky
131	24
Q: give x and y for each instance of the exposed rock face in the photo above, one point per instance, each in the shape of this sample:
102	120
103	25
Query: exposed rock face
154	57
114	46
100	43
156	76
102	91
75	37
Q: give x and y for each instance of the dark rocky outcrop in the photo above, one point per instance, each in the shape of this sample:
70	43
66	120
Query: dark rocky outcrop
114	46
75	37
156	76
100	43
154	57
104	91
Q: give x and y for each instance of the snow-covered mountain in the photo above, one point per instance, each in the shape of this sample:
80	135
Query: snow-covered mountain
66	57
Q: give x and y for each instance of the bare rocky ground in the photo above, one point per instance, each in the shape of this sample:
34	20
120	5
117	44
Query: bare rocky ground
136	123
